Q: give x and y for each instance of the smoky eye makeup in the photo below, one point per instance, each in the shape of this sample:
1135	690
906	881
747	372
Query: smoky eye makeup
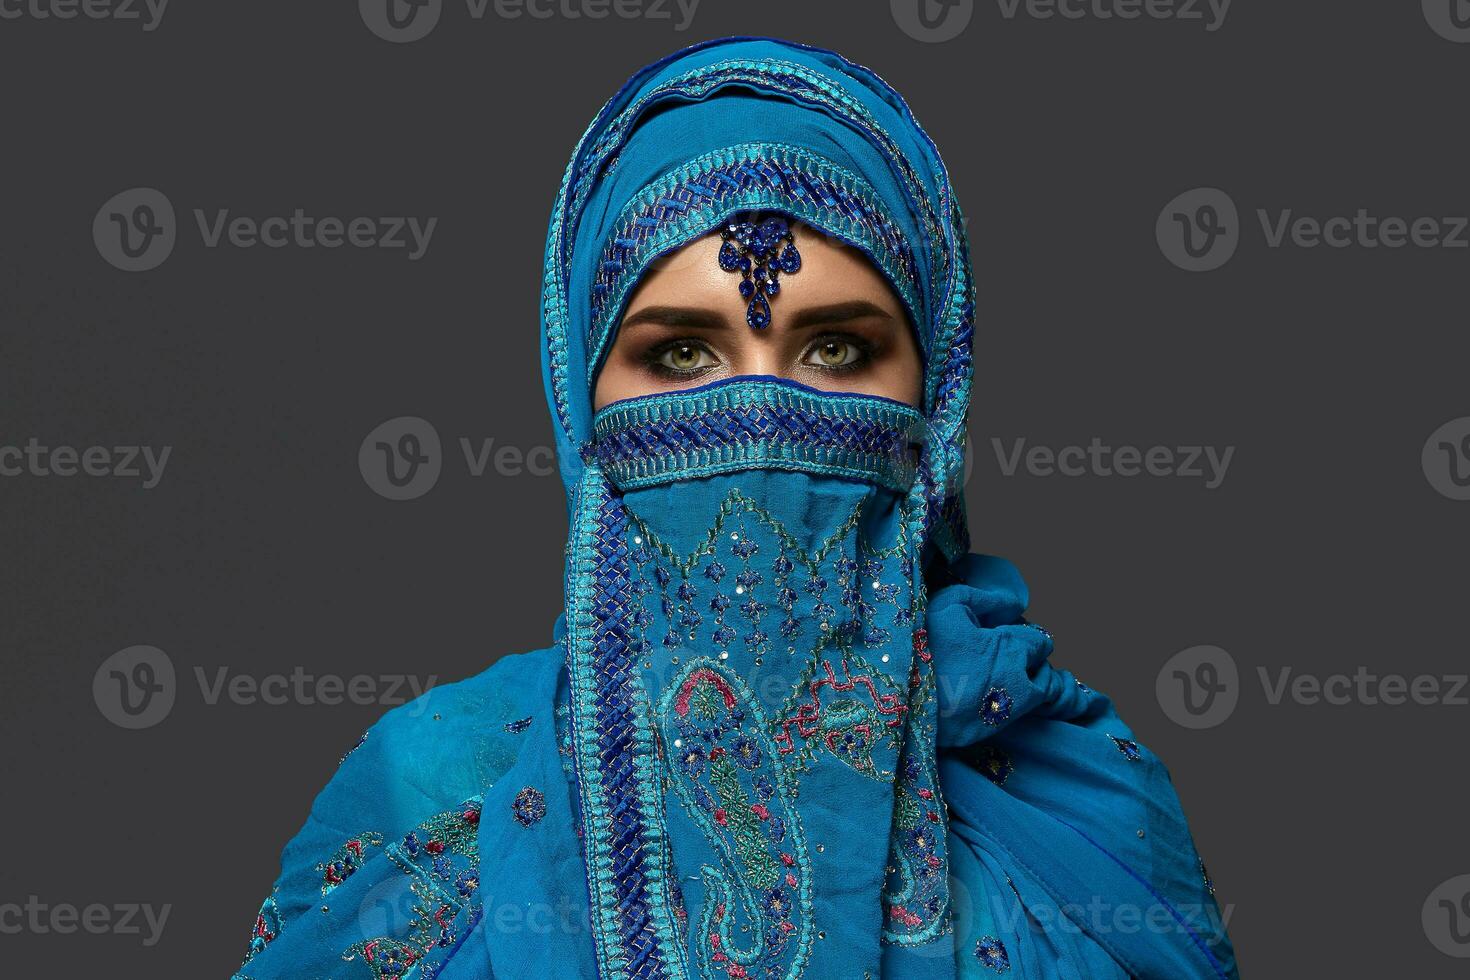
679	359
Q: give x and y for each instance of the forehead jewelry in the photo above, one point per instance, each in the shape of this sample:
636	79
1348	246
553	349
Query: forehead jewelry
760	250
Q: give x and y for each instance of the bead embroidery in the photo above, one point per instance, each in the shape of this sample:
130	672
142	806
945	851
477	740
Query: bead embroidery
440	858
994	763
267	927
741	424
345	862
529	806
1128	747
995	707
760	249
992	953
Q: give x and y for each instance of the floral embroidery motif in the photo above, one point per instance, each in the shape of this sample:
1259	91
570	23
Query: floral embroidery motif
1128	747
992	953
440	861
755	249
995	707
268	924
994	763
516	727
529	806
731	782
347	860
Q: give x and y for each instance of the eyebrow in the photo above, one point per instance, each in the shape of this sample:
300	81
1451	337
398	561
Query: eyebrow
695	318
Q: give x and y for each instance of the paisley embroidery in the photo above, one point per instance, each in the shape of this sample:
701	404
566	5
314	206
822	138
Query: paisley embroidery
851	606
757	914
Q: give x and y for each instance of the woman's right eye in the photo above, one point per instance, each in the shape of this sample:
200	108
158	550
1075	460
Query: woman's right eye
684	357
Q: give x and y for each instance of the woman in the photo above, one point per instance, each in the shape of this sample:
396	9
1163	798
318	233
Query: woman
789	727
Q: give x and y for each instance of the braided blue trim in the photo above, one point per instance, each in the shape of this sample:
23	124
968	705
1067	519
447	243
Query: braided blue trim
742	424
613	748
700	195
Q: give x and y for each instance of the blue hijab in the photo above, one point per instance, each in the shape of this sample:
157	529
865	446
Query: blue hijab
789	727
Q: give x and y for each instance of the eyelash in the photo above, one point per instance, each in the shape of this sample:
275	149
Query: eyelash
653	356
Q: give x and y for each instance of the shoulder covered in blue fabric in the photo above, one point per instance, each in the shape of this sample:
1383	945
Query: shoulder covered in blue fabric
406	798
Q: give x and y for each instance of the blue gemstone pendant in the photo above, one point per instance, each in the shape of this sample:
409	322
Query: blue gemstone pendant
760	249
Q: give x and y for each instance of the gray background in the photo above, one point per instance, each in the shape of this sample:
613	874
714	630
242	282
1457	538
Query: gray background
264	550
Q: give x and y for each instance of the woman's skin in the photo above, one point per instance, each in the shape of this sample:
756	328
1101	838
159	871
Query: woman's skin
836	325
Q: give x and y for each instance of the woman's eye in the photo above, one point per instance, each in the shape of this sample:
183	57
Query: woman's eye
834	353
685	357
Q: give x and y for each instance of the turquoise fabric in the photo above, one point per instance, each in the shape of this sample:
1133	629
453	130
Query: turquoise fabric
788	726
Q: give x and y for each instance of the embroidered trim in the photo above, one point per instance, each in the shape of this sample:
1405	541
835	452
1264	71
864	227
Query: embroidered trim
742	424
613	745
708	190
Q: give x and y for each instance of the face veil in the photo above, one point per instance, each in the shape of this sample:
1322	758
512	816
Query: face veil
753	710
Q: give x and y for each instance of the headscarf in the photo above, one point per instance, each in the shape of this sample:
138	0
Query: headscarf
789	728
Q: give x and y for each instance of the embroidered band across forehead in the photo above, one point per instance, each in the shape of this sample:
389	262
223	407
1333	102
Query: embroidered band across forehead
719	191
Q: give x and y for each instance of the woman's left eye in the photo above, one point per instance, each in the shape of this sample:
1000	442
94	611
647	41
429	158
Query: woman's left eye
834	352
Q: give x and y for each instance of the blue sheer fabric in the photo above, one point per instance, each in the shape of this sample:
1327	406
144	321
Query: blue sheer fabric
788	727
